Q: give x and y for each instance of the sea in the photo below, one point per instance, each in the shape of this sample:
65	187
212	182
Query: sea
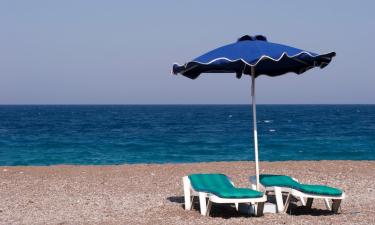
127	134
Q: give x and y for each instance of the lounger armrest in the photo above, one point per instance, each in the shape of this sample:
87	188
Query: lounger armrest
296	180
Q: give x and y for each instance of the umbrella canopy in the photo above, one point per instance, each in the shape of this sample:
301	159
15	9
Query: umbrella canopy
254	52
254	55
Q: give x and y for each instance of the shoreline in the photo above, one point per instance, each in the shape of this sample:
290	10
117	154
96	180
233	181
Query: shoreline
152	193
184	163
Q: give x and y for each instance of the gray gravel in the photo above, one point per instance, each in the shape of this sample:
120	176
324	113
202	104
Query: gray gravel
152	194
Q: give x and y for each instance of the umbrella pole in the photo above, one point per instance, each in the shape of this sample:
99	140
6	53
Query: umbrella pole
255	127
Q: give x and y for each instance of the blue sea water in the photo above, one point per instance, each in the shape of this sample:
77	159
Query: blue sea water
117	134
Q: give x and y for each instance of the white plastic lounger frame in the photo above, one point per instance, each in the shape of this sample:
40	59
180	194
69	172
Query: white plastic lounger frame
282	207
205	206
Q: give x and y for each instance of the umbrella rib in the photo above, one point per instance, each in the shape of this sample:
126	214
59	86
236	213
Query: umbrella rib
300	61
244	68
189	68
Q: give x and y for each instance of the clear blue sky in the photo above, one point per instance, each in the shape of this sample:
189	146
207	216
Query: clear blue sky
121	52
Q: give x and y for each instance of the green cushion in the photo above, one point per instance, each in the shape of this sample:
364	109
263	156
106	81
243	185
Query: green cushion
220	185
320	190
269	180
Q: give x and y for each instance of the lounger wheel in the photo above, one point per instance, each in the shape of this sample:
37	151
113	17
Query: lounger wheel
259	209
309	202
335	205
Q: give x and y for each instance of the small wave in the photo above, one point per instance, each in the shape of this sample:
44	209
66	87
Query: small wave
230	116
116	130
268	121
272	130
3	130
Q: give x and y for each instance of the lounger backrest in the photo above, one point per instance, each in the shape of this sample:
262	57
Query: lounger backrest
206	182
269	180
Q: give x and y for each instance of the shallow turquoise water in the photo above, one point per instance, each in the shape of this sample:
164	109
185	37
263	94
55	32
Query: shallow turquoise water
46	135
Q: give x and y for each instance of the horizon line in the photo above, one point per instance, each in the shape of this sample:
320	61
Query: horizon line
166	104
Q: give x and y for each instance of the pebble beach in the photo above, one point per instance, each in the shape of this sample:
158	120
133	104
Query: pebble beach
153	193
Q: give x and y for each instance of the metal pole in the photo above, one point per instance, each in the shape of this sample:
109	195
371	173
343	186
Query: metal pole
255	126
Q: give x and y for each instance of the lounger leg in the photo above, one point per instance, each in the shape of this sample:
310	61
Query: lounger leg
209	204
202	203
309	202
192	201
326	202
236	204
335	205
187	193
259	209
303	201
287	202
279	199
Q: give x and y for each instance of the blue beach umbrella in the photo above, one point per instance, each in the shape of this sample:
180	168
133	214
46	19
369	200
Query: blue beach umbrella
254	56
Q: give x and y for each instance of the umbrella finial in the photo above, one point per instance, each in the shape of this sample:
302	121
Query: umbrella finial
260	38
253	38
246	38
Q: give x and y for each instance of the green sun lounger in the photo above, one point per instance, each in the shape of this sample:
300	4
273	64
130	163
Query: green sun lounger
218	188
284	184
